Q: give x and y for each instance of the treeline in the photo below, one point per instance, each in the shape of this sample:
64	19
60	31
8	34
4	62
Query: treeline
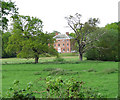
106	49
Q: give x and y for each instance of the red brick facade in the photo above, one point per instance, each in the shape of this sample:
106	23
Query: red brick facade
62	45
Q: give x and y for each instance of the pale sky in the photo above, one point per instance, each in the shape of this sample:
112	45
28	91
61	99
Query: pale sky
53	12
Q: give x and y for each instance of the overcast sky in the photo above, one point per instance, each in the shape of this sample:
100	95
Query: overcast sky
53	12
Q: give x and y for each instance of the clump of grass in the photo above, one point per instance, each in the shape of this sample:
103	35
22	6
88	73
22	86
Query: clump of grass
109	71
91	70
59	59
3	76
49	69
37	73
59	71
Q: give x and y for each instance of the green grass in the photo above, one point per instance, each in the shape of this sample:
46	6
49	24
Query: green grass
41	59
100	75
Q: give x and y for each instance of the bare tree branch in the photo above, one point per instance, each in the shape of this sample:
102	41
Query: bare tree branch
82	31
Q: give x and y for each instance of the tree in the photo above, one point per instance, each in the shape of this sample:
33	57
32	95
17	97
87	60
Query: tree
8	8
83	32
54	33
28	40
109	44
113	26
5	37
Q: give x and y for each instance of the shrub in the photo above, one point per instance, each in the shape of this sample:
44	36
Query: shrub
71	88
20	94
54	88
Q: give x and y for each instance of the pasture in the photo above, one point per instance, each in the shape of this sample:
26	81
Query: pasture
100	75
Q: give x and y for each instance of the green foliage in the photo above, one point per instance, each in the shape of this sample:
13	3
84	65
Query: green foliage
107	47
71	88
54	33
55	88
72	35
5	39
28	40
113	26
8	8
17	93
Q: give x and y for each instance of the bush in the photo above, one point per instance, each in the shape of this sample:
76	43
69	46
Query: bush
54	88
69	88
20	94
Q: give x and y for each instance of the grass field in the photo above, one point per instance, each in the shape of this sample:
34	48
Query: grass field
102	76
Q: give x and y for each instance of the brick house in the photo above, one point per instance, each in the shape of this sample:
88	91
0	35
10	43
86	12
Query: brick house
62	43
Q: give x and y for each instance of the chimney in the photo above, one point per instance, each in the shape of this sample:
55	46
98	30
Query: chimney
67	33
56	33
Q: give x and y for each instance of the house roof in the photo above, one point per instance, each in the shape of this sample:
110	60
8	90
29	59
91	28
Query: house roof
62	36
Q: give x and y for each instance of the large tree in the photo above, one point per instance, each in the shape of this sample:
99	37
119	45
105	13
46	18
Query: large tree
83	32
28	39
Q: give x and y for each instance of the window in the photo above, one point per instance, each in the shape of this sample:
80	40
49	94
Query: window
58	40
67	44
63	50
63	40
67	50
58	44
54	45
67	40
63	45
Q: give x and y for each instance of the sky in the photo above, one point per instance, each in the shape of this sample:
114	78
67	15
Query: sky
53	12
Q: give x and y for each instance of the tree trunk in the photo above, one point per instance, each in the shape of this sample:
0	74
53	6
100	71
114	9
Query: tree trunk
80	56
36	59
80	53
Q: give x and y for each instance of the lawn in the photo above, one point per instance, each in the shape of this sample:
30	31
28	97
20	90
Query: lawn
102	76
